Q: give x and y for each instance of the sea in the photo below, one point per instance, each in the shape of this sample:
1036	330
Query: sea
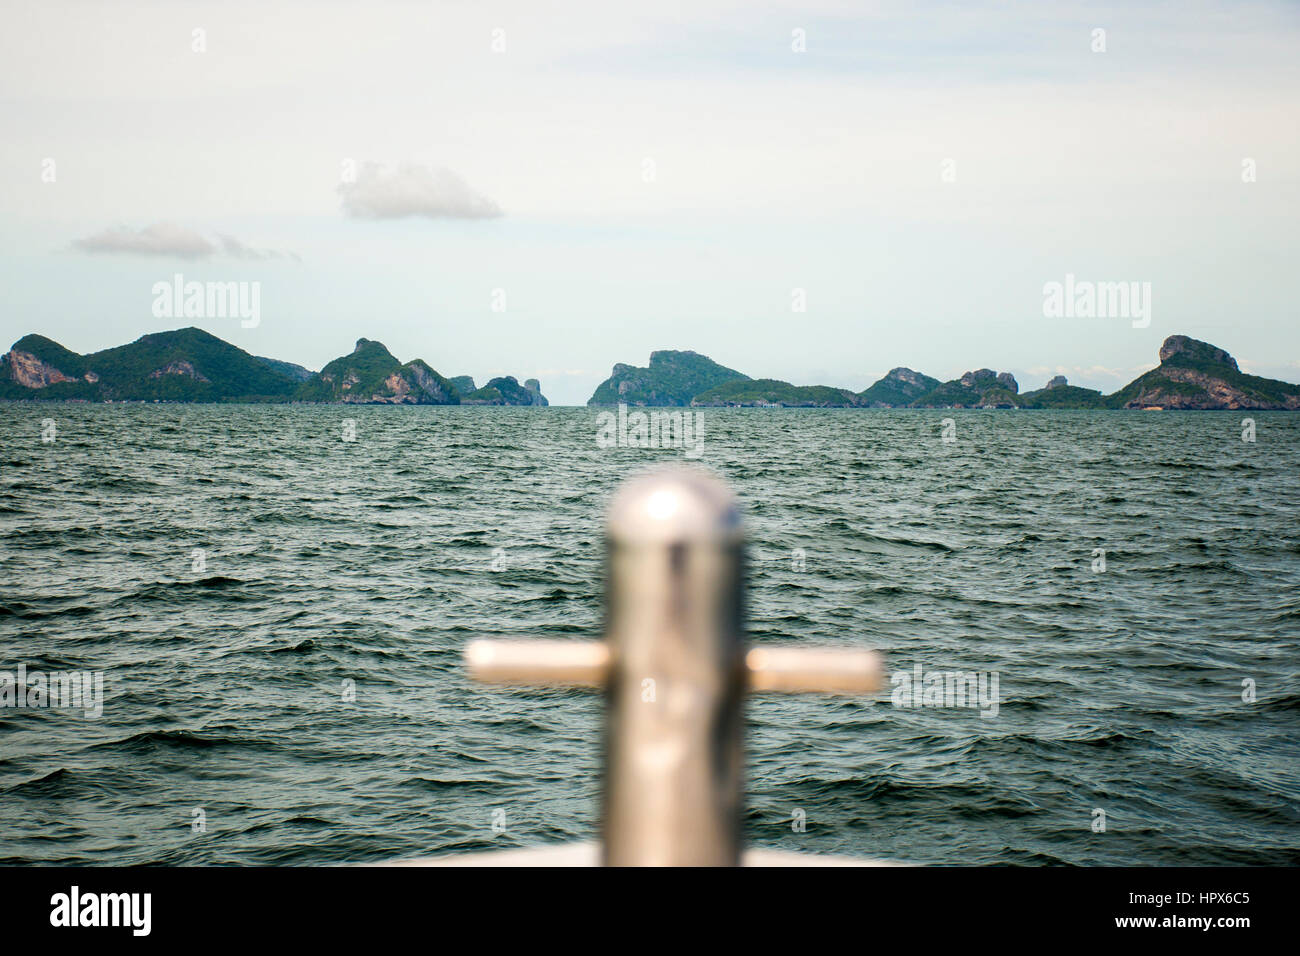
276	599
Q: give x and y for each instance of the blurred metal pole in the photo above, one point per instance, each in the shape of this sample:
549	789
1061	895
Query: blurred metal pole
673	739
675	670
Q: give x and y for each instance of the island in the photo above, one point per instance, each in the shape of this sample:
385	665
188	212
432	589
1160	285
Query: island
1191	375
191	365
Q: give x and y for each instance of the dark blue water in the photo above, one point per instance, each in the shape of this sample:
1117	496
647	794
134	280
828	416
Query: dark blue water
373	561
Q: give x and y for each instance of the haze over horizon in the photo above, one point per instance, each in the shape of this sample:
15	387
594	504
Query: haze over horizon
626	181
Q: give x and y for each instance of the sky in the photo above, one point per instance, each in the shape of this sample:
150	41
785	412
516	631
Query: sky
816	192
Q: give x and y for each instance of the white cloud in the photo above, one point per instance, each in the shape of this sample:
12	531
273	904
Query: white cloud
170	239
159	239
238	249
413	190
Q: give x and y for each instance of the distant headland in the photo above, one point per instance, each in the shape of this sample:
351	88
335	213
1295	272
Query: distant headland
1191	375
190	365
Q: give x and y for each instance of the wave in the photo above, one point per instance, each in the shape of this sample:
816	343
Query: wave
153	740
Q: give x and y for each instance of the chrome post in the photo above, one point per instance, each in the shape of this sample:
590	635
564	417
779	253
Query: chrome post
675	668
673	733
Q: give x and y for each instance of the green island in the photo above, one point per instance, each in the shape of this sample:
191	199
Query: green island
1191	375
191	365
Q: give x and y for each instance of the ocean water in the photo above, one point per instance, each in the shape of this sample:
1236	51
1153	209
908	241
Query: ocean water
373	561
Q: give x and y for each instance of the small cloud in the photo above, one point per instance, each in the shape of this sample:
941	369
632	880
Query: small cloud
160	239
169	239
237	249
413	190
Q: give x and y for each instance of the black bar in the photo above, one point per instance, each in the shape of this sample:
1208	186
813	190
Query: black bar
808	906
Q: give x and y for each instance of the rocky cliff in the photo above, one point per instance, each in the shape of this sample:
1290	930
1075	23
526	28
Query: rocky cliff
506	390
186	365
978	389
372	375
900	386
1197	375
672	378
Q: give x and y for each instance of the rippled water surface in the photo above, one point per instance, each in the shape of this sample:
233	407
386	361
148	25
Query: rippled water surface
375	560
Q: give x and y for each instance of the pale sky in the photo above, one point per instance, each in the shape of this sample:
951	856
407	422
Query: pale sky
659	179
